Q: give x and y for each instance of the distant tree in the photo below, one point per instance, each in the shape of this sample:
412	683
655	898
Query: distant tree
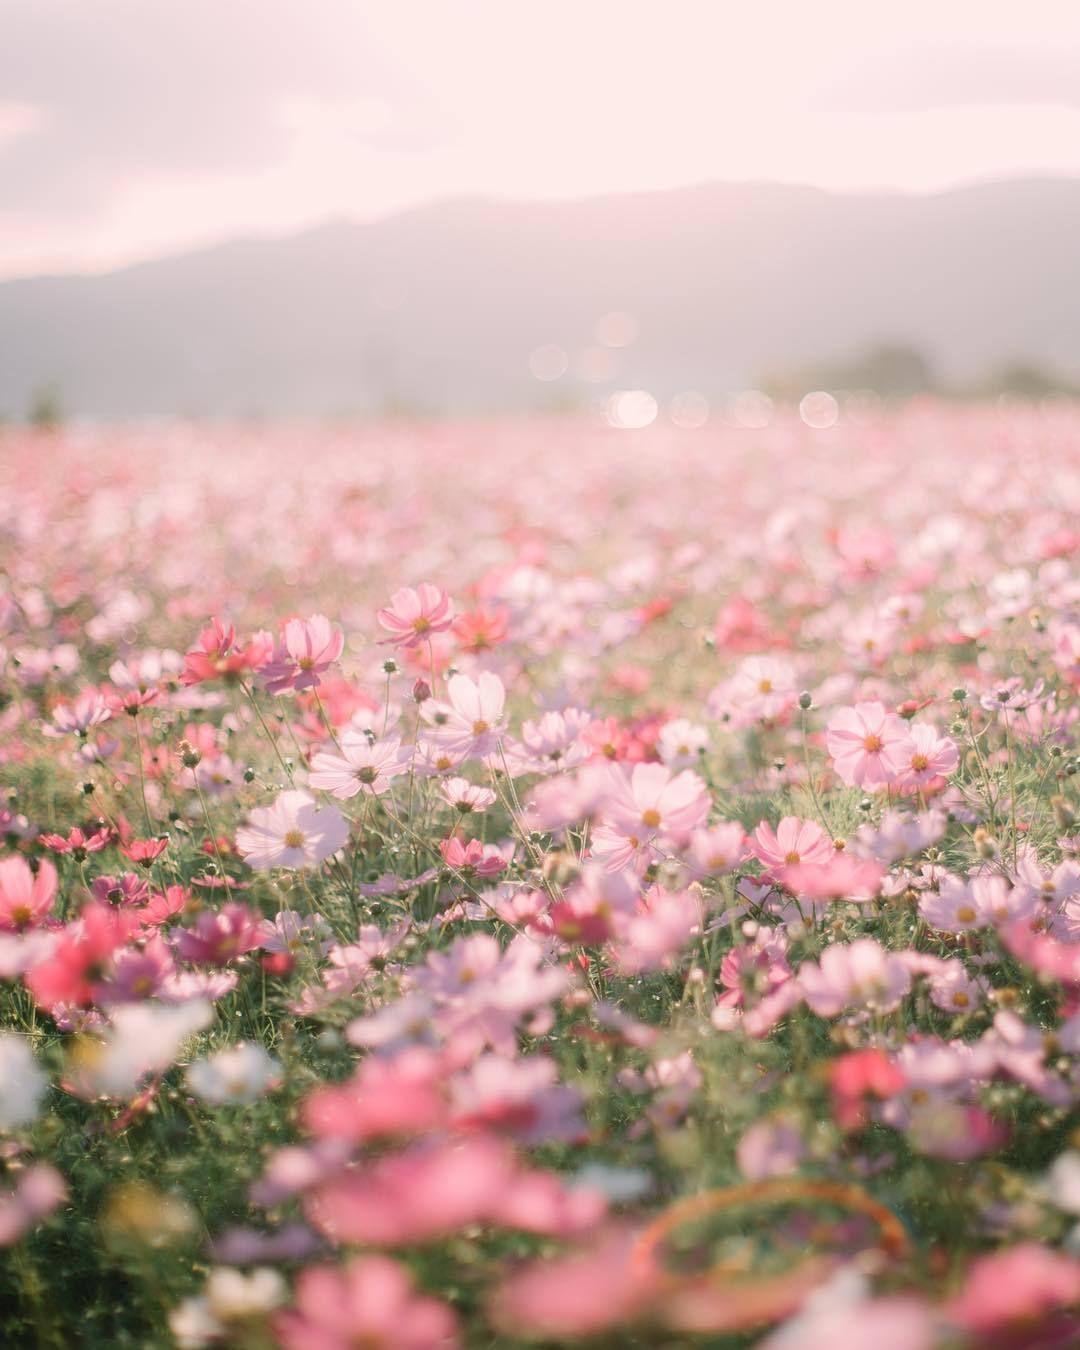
45	411
892	370
1025	382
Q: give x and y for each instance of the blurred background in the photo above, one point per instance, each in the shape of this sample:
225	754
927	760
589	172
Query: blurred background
679	209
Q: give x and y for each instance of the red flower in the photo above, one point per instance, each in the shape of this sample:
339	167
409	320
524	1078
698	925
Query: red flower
854	1078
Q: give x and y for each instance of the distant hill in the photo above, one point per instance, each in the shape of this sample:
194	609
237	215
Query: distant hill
440	308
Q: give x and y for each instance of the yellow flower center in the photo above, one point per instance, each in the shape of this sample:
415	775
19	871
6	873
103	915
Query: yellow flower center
650	818
872	744
294	839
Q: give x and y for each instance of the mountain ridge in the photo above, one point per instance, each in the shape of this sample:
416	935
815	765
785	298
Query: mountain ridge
440	307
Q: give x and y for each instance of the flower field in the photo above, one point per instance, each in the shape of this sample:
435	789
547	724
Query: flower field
538	883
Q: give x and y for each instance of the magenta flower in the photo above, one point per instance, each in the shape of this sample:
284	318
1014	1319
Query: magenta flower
218	938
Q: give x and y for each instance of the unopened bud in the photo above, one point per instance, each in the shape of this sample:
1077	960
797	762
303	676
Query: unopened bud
806	700
421	691
959	695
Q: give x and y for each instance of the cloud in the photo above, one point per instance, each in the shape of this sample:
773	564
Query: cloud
122	88
921	76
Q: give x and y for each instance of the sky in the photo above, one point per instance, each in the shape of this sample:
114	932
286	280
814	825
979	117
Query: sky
135	128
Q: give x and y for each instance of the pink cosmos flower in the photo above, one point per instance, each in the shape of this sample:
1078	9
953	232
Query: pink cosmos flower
715	850
762	689
308	648
134	684
398	1096
841	878
370	1302
364	766
25	897
519	1097
469	723
793	841
414	615
218	656
90	709
858	974
952	908
218	937
1015	1289
430	1190
466	797
40	1190
663	927
831	1321
293	832
77	966
563	1298
856	1077
869	745
772	1148
929	756
78	842
472	859
651	802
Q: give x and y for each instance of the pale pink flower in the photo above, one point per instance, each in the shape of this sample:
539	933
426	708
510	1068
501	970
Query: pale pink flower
413	615
761	690
39	1191
520	1097
308	648
363	765
952	908
793	841
650	802
470	722
927	756
682	743
773	1147
370	1302
293	832
659	932
466	797
90	709
716	849
859	974
953	990
868	744
26	897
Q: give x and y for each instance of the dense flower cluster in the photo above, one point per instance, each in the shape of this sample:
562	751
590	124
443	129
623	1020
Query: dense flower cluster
480	885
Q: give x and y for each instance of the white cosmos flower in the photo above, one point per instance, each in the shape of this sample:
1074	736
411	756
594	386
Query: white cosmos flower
243	1073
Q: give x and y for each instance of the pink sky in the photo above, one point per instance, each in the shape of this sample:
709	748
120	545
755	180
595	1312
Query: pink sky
131	128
